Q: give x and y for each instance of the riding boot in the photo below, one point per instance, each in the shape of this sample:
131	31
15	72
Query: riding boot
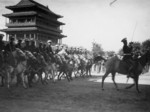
130	72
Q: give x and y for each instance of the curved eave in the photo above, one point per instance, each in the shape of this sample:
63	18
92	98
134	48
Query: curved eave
51	32
19	6
47	18
20	14
49	11
19	29
32	5
32	29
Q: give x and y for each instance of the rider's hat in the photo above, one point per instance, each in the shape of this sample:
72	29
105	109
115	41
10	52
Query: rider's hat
49	41
131	43
124	39
19	40
12	38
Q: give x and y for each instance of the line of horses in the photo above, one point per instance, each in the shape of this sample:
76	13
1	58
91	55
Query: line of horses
26	65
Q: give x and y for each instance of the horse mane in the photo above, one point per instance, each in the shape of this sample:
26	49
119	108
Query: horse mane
144	59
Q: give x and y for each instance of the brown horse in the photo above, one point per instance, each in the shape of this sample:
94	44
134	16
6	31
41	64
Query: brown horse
20	66
14	65
114	65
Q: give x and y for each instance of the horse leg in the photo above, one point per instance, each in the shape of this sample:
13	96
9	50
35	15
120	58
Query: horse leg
136	80
76	73
59	78
128	87
2	81
103	78
67	75
8	80
90	72
53	75
46	77
18	80
30	78
40	76
70	75
113	78
23	80
99	68
94	67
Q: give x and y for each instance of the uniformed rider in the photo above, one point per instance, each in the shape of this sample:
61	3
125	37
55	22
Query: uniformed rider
127	56
10	47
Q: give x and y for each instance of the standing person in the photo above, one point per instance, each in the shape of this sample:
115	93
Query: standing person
127	50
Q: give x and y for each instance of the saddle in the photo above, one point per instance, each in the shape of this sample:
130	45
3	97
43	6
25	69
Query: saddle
132	66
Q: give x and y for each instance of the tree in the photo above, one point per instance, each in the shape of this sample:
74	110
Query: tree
136	46
97	49
146	44
110	53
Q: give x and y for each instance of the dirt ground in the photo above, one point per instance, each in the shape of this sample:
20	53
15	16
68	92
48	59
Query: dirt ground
80	95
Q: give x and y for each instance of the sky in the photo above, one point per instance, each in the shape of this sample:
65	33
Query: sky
97	21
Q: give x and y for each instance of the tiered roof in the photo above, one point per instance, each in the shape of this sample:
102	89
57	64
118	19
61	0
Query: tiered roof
18	10
31	3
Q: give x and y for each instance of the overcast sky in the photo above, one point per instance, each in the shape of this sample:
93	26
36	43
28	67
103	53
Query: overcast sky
95	20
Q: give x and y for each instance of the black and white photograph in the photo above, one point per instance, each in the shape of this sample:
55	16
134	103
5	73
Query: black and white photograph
74	55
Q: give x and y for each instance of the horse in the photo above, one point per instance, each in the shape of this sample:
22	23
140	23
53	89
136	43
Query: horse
33	67
20	66
65	66
115	65
5	73
14	65
47	67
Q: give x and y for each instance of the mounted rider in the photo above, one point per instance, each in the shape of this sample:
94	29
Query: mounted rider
32	47
2	44
127	56
27	45
10	47
40	48
19	44
49	50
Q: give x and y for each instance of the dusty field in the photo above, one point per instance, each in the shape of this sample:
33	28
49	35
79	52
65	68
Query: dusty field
80	95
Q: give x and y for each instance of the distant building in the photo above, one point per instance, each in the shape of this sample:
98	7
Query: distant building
30	19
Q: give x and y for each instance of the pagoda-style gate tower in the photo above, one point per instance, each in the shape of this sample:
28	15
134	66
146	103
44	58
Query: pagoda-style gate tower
33	20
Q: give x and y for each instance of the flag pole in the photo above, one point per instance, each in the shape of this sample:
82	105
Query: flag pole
133	31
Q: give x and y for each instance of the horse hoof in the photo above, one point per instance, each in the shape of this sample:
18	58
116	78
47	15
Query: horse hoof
25	87
102	89
1	85
30	86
